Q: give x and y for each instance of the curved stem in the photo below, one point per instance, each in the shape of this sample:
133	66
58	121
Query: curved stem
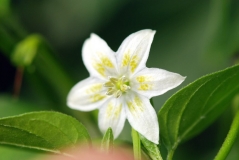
230	139
136	144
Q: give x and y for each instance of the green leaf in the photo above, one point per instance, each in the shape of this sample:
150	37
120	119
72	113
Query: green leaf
194	107
107	143
150	149
13	153
48	131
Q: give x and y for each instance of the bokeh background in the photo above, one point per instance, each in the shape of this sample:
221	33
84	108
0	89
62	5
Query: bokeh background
193	38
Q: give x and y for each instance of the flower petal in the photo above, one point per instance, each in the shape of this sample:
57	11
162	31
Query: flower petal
112	115
98	58
133	52
87	95
142	117
152	82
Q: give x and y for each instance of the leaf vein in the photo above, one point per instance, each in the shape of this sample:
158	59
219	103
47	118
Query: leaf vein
197	121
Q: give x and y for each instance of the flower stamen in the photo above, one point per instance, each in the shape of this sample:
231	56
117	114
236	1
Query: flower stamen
117	86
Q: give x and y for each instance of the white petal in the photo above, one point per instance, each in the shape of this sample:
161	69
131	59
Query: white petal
142	117
152	82
98	58
87	95
112	114
133	52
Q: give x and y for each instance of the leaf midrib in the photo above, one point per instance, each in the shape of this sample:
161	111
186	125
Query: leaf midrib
173	144
22	129
197	121
30	146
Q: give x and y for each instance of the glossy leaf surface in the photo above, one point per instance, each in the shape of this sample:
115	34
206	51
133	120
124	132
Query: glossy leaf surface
194	107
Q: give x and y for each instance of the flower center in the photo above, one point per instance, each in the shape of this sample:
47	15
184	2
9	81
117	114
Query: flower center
117	86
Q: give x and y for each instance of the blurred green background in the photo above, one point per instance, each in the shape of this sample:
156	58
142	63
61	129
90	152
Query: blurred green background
193	38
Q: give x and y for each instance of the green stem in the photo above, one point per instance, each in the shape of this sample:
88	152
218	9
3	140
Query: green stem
136	144
170	154
230	139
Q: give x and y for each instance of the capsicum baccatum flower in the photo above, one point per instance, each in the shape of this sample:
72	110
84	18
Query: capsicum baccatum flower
120	85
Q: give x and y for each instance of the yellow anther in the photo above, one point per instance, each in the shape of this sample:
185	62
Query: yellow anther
113	80
117	86
124	87
117	94
110	91
123	79
109	84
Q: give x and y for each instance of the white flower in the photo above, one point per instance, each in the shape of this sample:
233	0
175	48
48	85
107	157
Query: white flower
120	85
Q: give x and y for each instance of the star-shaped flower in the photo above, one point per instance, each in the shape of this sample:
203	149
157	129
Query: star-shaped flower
120	85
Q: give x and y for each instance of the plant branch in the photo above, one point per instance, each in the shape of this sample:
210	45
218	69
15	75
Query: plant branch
230	139
18	82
